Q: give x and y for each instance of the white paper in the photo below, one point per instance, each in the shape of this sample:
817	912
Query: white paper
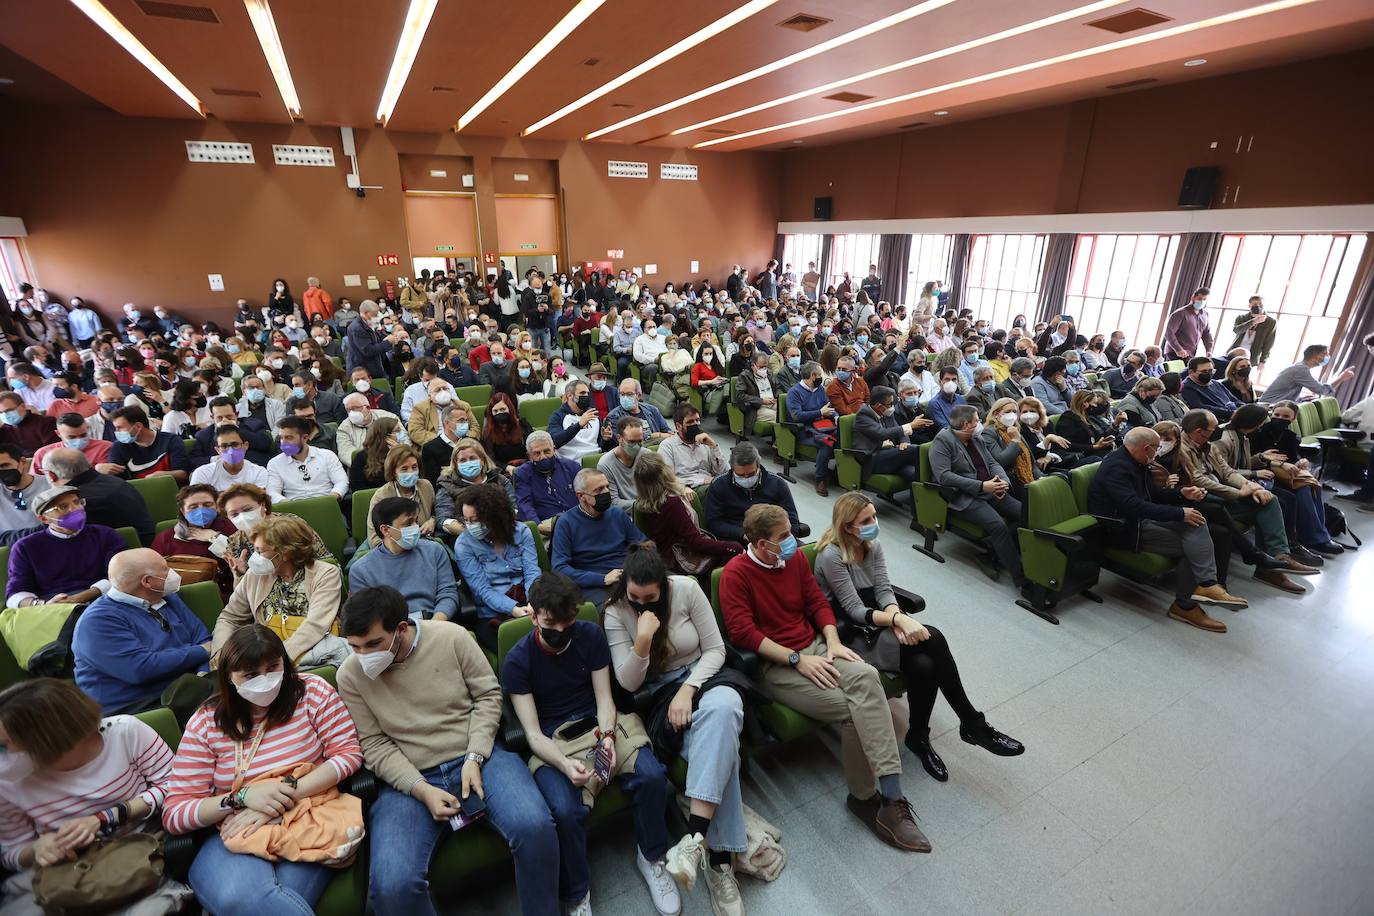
353	280
696	266
650	268
639	270
216	283
467	181
372	283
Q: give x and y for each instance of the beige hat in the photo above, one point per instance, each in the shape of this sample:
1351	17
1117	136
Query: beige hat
48	497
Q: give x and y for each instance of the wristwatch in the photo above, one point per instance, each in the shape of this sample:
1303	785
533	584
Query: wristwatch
475	758
794	659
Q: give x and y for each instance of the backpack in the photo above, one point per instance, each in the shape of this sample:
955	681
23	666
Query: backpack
40	637
1336	526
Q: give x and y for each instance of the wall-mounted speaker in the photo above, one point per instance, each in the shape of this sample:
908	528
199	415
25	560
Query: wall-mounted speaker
1199	186
822	210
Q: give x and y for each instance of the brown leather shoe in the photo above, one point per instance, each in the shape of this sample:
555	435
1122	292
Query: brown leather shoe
1300	569
1196	617
1215	594
894	822
822	489
1277	579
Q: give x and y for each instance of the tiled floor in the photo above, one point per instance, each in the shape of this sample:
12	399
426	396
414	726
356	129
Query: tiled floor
1167	770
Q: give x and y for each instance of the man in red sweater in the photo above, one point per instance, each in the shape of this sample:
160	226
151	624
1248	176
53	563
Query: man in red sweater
773	606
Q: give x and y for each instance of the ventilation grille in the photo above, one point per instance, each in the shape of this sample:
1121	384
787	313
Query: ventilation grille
1131	84
591	62
621	105
618	169
849	98
286	154
238	93
805	22
213	151
913	125
178	11
442	89
677	171
718	131
1130	21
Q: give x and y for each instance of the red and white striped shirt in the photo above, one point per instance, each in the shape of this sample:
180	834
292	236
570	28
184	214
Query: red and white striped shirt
134	762
320	732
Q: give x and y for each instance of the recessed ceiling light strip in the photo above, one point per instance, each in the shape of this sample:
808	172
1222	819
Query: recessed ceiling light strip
659	59
565	27
805	54
1183	29
111	26
910	62
407	47
260	12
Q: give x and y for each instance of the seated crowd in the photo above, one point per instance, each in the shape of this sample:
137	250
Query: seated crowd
495	479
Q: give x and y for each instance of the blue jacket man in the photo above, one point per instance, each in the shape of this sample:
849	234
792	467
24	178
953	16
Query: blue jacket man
808	402
1200	392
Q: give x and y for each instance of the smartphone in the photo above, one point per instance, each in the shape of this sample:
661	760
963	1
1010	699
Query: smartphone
473	809
602	768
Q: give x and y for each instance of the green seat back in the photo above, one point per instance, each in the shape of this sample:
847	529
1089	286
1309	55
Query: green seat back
477	396
203	598
515	629
159	495
1329	409
809	551
4	570
847	431
1309	419
1050	501
322	514
540	549
164	723
1175	365
383	384
164	525
361	500
1080	479
130	537
538	411
590	461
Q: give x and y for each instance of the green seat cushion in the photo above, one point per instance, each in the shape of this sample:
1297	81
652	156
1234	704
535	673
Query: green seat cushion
346	893
786	724
893	684
886	483
1152	565
1075	525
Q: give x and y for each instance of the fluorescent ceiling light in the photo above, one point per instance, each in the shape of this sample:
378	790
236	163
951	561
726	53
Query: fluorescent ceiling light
1195	62
909	62
261	13
565	27
116	30
416	23
682	47
1183	29
886	22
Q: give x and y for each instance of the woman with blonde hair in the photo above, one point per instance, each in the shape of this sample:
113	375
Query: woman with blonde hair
948	358
1002	435
402	470
1048	449
368	467
877	623
664	510
289	590
242	351
468	467
1086	426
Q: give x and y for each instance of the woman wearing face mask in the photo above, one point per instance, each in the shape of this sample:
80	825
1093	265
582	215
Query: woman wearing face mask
289	590
1050	452
402	469
200	531
367	470
265	720
556	384
279	299
470	466
878	625
1170	405
70	780
1095	356
242	353
675	367
1087	427
496	558
1002	435
1139	405
1238	380
188	411
504	432
525	383
709	379
665	512
245	506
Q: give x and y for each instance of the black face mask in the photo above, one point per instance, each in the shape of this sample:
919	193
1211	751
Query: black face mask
1097	410
601	502
1215	436
1205	378
10	476
1243	373
690	433
641	607
1280	425
555	639
502	419
584	401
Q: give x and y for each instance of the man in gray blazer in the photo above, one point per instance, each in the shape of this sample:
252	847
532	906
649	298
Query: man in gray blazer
960	459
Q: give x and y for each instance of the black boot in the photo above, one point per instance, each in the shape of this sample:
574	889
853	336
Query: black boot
978	731
918	742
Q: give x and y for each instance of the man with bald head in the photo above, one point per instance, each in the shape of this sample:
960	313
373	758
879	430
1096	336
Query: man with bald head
1153	519
132	643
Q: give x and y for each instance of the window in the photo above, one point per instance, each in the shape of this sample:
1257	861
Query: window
800	250
1305	281
1121	282
14	268
852	254
929	261
1004	277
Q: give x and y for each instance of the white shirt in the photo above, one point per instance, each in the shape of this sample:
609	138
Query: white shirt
414	394
586	442
218	476
39	397
648	348
326	473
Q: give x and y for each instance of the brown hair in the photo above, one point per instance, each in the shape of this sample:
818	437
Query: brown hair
761	519
255	492
248	647
375	448
289	537
46	718
655	482
397	455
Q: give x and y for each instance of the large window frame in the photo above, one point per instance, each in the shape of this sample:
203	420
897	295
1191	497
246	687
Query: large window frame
852	253
14	267
1121	282
800	249
1003	276
930	260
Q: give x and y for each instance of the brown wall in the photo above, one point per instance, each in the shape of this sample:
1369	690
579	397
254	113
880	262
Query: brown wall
1310	123
115	211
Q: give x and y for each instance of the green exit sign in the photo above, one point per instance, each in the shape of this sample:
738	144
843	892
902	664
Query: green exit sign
443	247
528	246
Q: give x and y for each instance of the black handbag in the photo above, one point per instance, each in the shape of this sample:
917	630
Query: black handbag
667	741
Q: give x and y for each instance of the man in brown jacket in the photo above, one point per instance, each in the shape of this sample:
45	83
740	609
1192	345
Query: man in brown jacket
847	390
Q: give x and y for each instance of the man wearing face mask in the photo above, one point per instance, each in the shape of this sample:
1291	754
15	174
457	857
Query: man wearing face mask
301	470
360	416
749	483
807	404
982	394
1289	384
632	403
693	455
890	444
939	407
619	463
19	486
544	483
21	427
575	427
1188	332
132	643
1019	379
589	542
423	424
110	501
1201	391
418	567
65	563
1122	379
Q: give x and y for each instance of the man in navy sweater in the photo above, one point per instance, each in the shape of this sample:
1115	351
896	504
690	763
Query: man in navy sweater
1200	392
1154	521
590	542
544	484
807	402
133	642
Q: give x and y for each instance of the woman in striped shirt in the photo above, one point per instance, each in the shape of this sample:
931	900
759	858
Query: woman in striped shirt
264	717
69	777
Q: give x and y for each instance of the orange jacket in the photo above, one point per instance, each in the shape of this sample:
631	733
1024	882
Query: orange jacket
318	303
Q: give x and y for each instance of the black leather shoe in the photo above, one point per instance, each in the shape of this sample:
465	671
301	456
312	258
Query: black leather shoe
1264	561
1305	556
1329	549
979	732
919	744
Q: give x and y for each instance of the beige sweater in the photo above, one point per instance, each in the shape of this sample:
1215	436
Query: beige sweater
435	705
693	637
324	586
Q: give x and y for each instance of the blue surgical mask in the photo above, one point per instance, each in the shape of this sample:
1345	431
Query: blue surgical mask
911	401
298	392
598	384
202	517
408	479
79	443
18	384
987	385
524	372
461	430
11	418
477	530
410	536
843	374
862	338
122	436
869	532
254	395
788	548
794	363
231	349
628	401
1325	360
470	468
1075	368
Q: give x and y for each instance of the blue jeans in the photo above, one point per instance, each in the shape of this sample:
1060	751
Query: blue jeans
541	339
711	747
237	884
647	786
404	836
1311	516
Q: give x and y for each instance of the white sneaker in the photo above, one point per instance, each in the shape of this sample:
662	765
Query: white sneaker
583	907
685	858
724	891
661	887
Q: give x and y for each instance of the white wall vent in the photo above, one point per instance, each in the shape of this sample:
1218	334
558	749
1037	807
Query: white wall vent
214	151
677	171
615	169
322	156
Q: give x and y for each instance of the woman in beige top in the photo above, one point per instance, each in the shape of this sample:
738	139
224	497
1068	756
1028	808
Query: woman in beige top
287	589
662	632
403	479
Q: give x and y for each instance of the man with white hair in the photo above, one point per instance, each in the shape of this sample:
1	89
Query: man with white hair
590	542
111	501
135	320
139	637
544	483
316	302
368	347
361	416
424	421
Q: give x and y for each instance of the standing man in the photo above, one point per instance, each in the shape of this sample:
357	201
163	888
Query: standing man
1255	332
872	284
367	346
1188	332
811	281
316	302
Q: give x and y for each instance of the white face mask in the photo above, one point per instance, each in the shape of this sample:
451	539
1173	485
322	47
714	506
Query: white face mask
374	663
1008	418
1165	447
172	584
261	690
259	564
1029	417
245	521
357	418
949	387
978	430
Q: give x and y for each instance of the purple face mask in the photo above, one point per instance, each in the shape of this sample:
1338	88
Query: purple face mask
236	455
74	520
290	449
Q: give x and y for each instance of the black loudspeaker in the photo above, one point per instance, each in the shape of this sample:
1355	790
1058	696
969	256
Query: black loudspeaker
1199	185
823	207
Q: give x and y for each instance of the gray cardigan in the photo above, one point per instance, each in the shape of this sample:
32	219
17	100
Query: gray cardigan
840	583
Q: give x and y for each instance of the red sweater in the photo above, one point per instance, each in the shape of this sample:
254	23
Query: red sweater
784	605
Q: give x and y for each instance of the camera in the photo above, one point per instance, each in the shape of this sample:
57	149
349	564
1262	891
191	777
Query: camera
361	192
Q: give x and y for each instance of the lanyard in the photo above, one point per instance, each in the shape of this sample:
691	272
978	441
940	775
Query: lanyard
242	763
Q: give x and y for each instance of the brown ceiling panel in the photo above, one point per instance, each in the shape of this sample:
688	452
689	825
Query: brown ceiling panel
33	85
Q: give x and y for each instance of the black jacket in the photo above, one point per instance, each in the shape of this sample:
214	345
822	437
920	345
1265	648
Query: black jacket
1122	489
261	448
114	503
726	502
